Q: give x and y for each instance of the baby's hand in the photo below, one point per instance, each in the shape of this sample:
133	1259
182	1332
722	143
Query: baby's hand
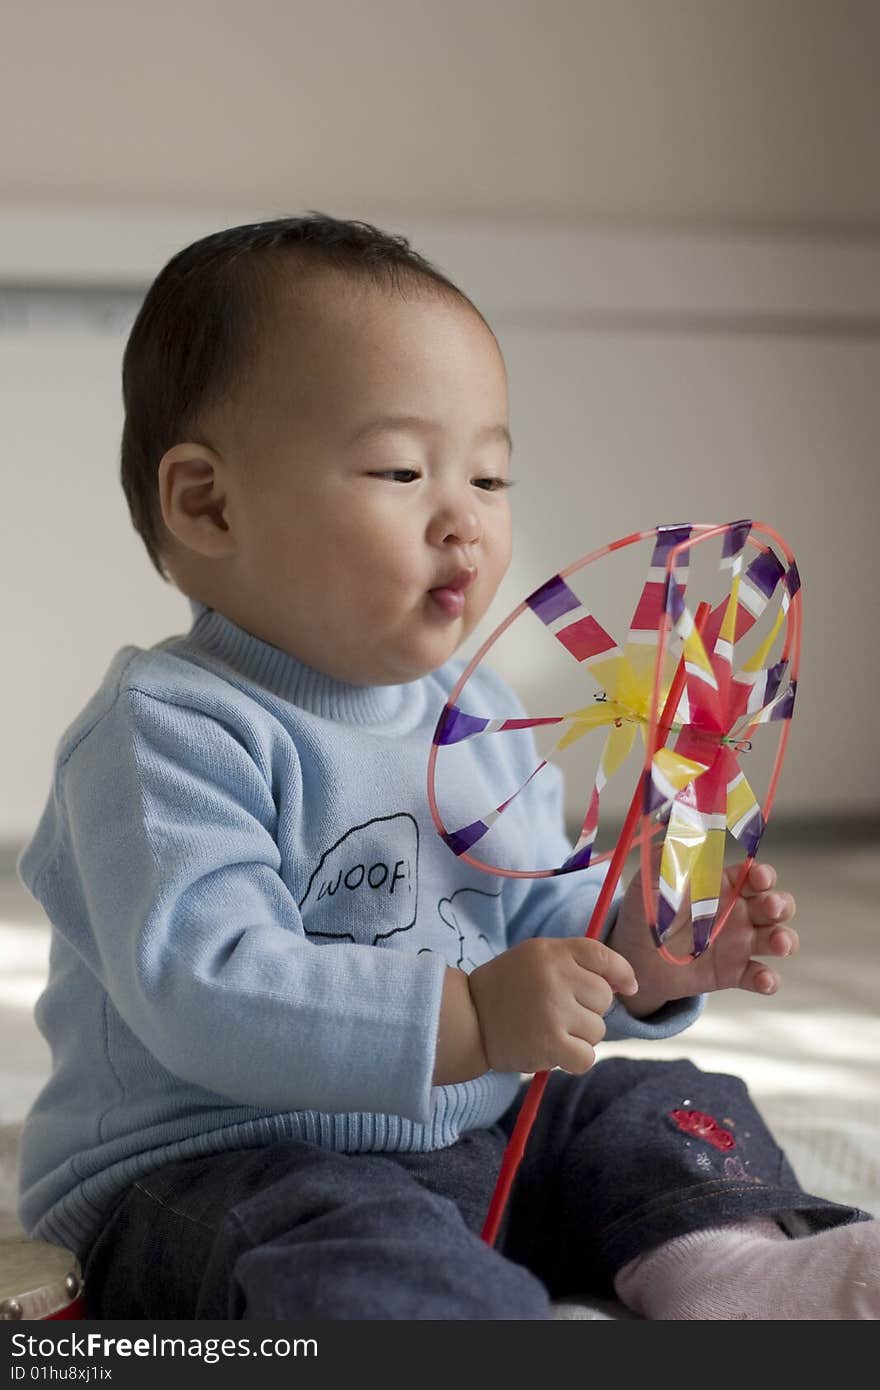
540	1005
756	927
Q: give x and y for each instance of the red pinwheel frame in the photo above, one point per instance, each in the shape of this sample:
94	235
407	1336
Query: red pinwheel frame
674	680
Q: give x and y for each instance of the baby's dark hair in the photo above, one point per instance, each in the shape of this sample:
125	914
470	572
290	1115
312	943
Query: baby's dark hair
196	334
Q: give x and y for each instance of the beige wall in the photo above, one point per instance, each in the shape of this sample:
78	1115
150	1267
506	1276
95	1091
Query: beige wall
719	113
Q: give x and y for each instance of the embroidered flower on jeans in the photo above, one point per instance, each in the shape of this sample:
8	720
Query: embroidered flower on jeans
703	1126
733	1169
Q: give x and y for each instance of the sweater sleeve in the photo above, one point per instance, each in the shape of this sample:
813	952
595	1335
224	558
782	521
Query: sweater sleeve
190	928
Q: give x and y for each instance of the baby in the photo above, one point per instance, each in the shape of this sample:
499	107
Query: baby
287	1024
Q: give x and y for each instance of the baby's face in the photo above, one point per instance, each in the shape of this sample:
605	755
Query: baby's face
370	549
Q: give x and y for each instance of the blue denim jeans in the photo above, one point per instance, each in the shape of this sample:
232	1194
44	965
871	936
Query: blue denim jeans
620	1160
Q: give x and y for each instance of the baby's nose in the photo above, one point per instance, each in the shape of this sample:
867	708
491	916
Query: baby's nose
464	531
456	525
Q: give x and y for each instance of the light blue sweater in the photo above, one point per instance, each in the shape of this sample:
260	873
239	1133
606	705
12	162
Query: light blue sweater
252	914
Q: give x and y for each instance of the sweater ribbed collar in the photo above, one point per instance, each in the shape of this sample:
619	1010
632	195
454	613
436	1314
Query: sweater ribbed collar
282	674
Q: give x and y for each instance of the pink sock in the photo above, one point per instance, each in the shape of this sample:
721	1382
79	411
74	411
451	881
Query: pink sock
754	1271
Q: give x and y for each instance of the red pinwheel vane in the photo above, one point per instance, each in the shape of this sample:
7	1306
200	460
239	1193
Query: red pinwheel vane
676	680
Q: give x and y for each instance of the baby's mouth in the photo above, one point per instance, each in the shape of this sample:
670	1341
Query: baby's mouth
450	596
451	601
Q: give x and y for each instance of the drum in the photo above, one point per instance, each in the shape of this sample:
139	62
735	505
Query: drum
39	1281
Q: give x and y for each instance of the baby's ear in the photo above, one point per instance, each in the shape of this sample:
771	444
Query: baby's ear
193	498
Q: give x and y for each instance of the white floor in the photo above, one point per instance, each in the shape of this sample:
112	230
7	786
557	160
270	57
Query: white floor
811	1055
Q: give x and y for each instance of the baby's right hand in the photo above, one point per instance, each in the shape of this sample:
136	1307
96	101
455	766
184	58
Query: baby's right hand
540	1005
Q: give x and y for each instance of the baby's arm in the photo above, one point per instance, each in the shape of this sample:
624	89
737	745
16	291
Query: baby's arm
537	1006
460	1054
758	925
169	817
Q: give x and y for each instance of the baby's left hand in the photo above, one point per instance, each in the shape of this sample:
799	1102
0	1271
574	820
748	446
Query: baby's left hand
755	927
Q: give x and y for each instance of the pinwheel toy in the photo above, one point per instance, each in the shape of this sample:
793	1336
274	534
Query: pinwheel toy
676	681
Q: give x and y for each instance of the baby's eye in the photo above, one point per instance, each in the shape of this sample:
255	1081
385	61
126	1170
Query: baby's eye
492	484
397	475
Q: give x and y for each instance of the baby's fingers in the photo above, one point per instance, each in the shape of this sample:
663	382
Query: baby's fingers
775	941
758	978
770	908
599	959
759	879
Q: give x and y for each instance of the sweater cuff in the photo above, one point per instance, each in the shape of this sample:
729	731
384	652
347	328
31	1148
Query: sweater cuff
665	1022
